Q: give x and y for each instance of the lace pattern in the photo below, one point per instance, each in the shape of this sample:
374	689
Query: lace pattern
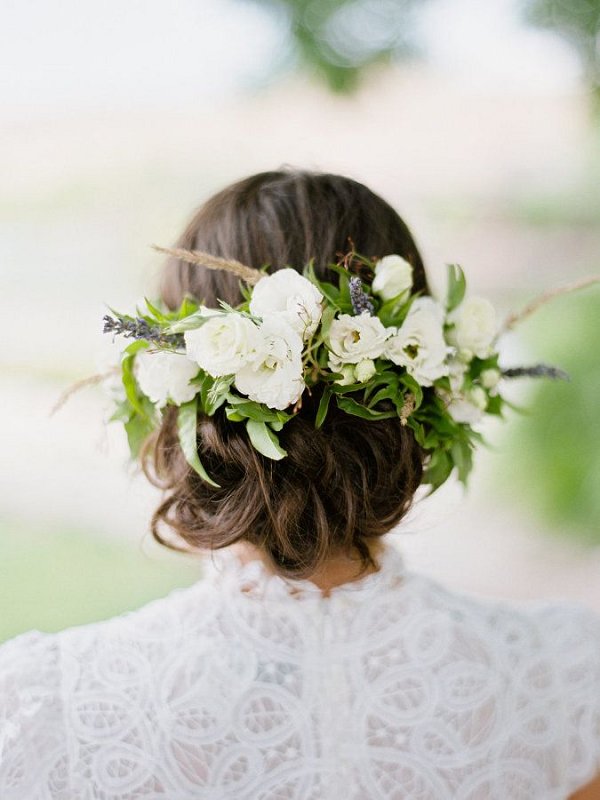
252	687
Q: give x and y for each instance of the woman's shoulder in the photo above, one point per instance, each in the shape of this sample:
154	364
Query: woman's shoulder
543	656
164	621
559	628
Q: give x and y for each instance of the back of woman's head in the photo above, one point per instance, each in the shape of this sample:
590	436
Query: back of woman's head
341	485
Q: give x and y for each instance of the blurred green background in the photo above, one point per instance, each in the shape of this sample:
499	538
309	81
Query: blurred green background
478	122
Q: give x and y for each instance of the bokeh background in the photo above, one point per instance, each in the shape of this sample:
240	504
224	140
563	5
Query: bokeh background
479	122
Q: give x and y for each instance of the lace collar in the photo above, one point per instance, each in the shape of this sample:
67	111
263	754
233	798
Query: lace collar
253	580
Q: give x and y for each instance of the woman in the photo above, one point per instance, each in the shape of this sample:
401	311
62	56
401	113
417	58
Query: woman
309	663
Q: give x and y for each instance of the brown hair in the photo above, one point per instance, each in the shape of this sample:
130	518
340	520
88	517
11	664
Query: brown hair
350	481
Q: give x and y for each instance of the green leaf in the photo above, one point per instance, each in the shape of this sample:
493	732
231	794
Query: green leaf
413	387
393	312
233	415
187	421
127	376
187	307
122	412
327	318
438	470
213	392
264	440
457	286
494	406
158	315
137	428
189	323
328	290
462	456
323	406
259	412
351	406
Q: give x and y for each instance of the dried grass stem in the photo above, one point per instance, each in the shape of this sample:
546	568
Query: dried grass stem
544	298
202	259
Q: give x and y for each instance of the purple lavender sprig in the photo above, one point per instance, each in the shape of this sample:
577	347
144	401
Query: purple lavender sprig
359	298
141	329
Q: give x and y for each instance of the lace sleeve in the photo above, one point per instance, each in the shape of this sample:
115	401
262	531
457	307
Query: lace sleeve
33	750
574	636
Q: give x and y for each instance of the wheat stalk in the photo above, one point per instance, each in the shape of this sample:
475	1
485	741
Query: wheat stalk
75	387
544	298
202	259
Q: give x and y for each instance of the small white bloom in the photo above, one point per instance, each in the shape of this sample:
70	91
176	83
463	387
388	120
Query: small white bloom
348	375
393	277
470	407
364	370
474	326
290	296
346	370
456	373
355	338
419	343
275	377
490	378
223	344
163	375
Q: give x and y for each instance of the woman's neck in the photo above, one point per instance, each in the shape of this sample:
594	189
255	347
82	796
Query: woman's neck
335	572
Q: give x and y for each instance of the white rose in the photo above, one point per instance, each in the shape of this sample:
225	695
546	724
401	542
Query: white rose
163	375
275	377
290	296
474	326
419	343
469	407
223	344
364	370
393	277
355	338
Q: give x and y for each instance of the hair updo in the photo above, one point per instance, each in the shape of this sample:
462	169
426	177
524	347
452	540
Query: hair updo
340	486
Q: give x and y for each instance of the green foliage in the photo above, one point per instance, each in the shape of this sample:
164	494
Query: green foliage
264	440
457	286
187	423
553	456
338	40
136	412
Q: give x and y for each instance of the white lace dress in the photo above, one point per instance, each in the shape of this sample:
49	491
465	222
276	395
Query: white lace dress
249	687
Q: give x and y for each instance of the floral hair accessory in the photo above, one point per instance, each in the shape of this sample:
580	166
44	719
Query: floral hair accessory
377	349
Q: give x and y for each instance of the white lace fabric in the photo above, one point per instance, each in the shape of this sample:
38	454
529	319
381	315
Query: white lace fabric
250	687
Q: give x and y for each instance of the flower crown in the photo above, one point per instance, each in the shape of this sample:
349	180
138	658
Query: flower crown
378	349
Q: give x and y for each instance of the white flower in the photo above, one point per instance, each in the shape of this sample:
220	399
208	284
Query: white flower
289	296
474	326
393	277
224	343
469	407
490	378
355	338
163	375
348	375
275	377
364	370
419	343
456	373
